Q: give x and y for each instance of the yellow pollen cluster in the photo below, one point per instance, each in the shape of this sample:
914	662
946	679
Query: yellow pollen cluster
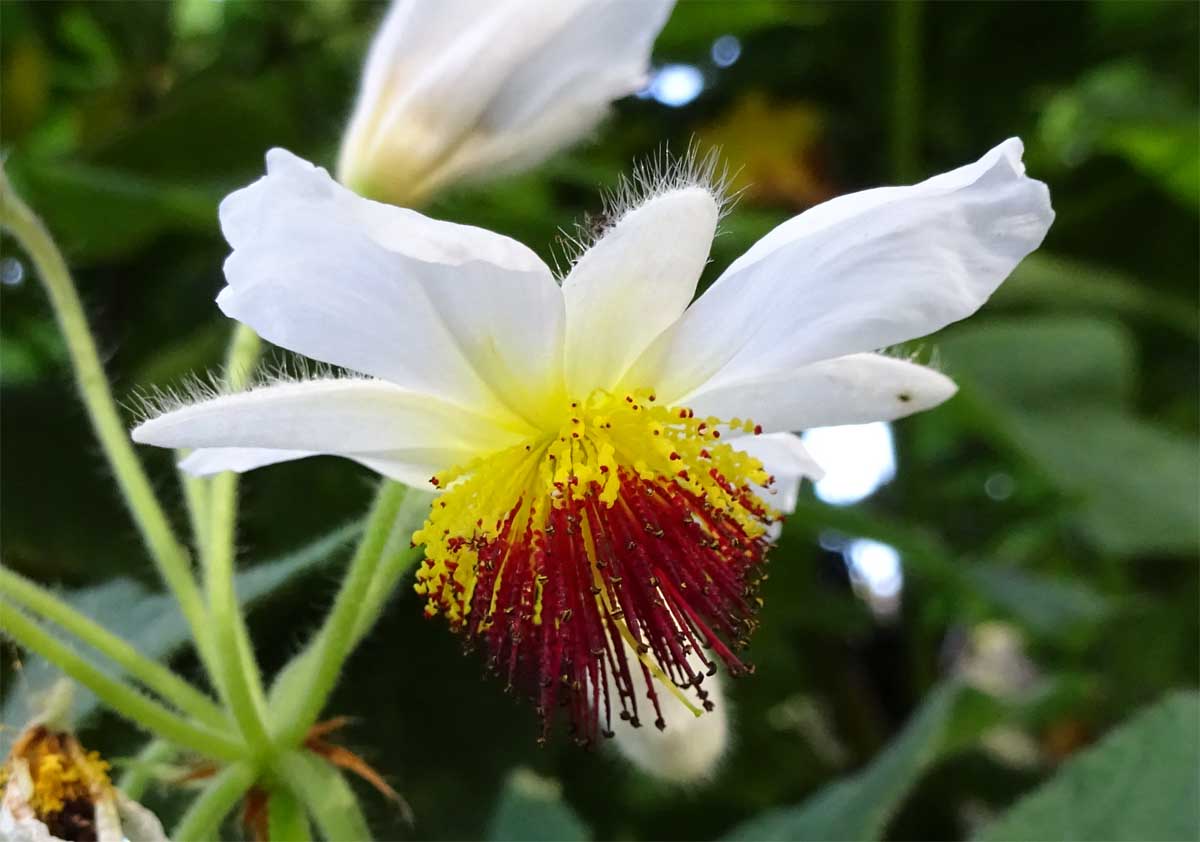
600	438
61	771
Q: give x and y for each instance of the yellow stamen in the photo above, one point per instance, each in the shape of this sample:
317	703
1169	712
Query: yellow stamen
597	437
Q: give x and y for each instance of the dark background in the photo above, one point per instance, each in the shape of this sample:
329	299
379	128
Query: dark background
124	123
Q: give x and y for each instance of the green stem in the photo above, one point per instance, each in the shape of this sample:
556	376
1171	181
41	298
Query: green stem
150	673
398	557
906	91
332	644
169	555
322	789
236	671
140	771
240	678
125	700
203	819
287	820
195	495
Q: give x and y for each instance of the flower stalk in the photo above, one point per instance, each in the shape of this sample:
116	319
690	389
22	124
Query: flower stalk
204	816
170	557
141	770
399	555
322	789
118	695
239	673
320	664
151	674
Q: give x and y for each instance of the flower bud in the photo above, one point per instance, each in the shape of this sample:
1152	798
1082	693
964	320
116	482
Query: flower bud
456	90
690	746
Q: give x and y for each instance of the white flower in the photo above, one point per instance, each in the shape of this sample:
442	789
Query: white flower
463	89
594	435
54	790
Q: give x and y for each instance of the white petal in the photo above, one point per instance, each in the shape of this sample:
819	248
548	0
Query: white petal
138	823
562	90
363	419
462	89
859	273
445	309
853	389
411	467
107	820
785	458
633	284
431	71
690	748
600	53
213	460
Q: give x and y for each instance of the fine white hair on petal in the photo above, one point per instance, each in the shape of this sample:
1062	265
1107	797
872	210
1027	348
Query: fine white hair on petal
406	435
147	403
654	176
640	272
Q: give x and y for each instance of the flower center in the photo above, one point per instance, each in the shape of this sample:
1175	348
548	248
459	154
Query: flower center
625	539
65	779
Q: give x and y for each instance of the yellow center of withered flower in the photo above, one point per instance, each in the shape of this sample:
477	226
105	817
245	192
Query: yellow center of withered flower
66	779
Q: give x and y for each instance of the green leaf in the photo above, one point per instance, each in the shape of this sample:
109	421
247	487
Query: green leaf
1137	484
1108	112
1062	283
1047	605
1140	782
1047	362
98	213
1060	389
531	809
860	807
151	621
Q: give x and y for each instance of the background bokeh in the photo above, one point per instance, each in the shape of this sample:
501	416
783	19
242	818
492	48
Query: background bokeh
1035	538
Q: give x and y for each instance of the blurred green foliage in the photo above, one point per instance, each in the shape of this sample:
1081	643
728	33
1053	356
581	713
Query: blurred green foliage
124	124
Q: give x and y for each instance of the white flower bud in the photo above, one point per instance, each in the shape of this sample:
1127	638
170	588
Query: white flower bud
459	89
689	749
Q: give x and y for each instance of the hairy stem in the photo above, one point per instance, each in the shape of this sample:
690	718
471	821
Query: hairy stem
203	819
169	556
140	771
398	557
321	788
195	496
321	662
287	819
153	675
240	677
123	699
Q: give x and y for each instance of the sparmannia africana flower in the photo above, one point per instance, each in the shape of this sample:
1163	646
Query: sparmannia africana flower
456	90
604	446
